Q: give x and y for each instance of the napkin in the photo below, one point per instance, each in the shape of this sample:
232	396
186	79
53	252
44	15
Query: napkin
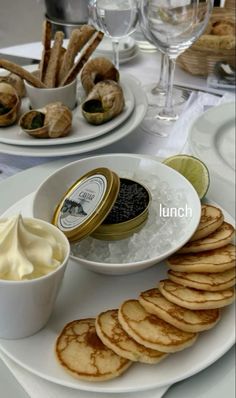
38	388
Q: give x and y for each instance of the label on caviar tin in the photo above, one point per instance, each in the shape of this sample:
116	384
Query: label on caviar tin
82	202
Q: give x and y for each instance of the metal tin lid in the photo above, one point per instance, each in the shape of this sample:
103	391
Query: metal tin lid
86	204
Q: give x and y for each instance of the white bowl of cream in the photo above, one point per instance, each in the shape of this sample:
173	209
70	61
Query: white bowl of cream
33	259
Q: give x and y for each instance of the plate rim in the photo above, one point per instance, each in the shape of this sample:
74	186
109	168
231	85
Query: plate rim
194	130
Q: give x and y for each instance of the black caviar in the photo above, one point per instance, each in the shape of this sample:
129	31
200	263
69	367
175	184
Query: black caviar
132	200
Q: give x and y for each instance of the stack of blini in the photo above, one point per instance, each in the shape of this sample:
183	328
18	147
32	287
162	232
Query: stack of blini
163	320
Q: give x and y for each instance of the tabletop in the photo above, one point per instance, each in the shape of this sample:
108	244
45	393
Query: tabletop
216	380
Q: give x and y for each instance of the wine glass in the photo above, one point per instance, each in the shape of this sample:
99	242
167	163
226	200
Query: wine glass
117	19
156	92
173	26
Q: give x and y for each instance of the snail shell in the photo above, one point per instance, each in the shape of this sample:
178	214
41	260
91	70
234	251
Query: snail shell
9	104
52	121
104	102
96	70
16	82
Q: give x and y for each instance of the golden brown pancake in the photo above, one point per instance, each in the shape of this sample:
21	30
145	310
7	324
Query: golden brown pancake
211	219
114	337
210	282
184	319
218	260
219	238
81	352
151	331
194	299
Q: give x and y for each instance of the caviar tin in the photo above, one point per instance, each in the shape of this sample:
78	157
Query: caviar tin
102	205
129	213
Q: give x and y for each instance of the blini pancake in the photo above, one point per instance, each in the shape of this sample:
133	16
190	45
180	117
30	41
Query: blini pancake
218	260
219	238
210	282
211	219
184	319
195	299
114	337
151	331
81	352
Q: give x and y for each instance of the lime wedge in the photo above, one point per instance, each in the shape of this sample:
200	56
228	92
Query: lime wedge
193	169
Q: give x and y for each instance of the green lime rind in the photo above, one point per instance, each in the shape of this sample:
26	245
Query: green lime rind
193	169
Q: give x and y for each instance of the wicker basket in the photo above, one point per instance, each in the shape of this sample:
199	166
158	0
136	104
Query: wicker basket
198	60
230	4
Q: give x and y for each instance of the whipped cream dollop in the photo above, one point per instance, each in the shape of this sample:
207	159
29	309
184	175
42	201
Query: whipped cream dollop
28	249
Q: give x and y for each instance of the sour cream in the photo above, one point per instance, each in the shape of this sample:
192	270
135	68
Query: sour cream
28	250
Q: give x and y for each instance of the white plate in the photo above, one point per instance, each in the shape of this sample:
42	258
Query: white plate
85	294
85	146
81	130
126	45
128	49
212	139
128	57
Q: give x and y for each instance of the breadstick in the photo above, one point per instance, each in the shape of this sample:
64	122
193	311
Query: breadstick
86	53
61	58
47	31
53	64
78	38
24	74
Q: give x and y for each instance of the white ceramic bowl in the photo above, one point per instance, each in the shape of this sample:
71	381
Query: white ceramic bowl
51	191
39	97
26	306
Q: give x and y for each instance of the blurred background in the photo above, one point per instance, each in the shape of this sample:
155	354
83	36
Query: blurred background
21	21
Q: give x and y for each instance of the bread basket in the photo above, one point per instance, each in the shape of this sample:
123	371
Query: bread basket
200	59
230	4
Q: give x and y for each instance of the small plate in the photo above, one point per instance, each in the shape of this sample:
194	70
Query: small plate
116	134
81	129
125	45
128	49
212	139
85	294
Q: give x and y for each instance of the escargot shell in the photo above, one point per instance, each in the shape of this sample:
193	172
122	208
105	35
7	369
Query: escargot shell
52	121
96	70
104	102
16	82
9	104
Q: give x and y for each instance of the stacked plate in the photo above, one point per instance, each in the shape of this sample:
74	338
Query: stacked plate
83	136
128	49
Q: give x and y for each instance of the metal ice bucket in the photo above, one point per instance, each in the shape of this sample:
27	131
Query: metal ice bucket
66	15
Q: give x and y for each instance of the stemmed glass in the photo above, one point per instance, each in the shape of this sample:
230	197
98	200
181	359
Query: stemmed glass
173	26
117	19
156	92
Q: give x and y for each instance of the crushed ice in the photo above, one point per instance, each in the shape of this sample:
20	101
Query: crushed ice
157	236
